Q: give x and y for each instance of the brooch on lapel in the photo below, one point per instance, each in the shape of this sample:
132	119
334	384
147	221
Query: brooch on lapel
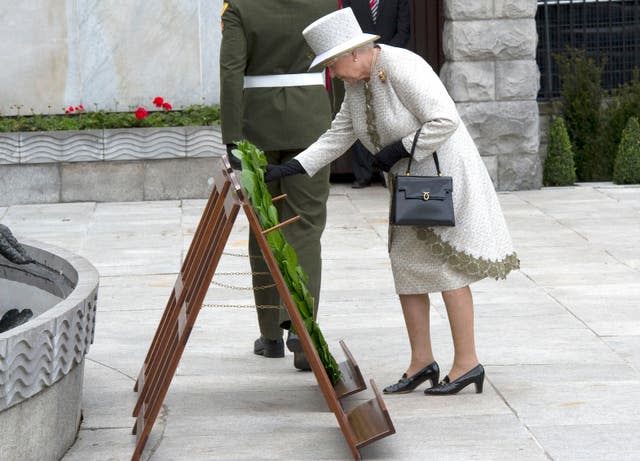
382	76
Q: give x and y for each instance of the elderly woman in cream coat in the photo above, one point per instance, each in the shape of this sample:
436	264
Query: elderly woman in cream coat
390	93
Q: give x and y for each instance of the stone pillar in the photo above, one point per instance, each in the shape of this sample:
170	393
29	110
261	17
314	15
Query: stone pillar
491	73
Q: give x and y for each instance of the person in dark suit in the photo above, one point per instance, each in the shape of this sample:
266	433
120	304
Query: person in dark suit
391	20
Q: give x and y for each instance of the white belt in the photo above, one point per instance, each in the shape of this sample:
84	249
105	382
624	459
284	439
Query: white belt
269	81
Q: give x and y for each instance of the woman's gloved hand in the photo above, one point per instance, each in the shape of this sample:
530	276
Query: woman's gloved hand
288	168
389	155
234	161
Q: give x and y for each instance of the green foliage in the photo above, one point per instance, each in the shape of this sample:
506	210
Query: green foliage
254	163
582	98
624	104
195	115
559	169
627	165
594	123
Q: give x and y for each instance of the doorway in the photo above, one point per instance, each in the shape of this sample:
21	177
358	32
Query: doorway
426	31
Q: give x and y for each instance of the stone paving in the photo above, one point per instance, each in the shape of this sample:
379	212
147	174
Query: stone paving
559	339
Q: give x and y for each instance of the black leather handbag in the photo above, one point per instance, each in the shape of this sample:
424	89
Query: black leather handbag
422	200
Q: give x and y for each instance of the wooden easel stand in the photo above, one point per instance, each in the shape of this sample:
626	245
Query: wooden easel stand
362	425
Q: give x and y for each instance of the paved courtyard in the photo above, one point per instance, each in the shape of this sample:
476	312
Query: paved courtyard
560	339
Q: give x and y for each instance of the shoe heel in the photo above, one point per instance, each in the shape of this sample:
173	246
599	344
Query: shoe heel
479	384
435	378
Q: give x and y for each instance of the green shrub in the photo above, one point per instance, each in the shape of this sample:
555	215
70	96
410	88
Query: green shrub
559	168
582	98
624	104
627	165
195	115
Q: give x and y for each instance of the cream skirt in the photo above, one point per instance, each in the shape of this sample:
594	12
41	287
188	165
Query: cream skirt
417	270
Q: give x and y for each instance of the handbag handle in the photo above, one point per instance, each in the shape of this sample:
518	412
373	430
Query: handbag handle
413	148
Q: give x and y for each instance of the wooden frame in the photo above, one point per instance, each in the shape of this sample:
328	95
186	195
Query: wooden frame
361	425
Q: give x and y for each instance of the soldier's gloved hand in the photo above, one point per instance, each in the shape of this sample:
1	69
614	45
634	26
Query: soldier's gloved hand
389	155
288	168
234	161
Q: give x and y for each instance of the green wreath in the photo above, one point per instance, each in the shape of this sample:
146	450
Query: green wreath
254	163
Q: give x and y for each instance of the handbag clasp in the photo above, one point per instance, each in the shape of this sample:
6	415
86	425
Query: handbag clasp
425	196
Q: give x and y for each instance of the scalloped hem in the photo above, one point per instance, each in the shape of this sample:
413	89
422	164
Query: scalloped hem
463	262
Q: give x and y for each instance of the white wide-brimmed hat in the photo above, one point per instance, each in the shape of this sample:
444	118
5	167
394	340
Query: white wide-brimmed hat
335	34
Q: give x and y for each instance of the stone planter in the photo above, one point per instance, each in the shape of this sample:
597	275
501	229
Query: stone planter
42	360
107	165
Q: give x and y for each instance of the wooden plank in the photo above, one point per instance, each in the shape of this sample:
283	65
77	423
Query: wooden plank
351	380
370	420
282	224
169	312
181	312
202	243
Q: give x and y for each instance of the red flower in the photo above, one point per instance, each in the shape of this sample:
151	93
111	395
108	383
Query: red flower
69	110
166	106
158	101
141	113
80	108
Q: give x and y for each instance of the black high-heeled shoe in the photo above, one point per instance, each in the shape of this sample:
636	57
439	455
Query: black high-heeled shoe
409	383
446	387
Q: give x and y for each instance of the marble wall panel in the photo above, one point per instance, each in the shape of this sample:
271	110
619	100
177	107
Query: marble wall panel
33	55
210	37
147	49
109	54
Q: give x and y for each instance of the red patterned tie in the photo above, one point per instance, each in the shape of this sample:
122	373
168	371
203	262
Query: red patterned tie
373	4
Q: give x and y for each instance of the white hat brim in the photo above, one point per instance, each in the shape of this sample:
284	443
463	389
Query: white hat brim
343	48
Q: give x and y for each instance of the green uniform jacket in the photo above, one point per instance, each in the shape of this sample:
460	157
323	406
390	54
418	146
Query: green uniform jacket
264	37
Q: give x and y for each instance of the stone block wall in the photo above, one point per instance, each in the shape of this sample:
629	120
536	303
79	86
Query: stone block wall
491	73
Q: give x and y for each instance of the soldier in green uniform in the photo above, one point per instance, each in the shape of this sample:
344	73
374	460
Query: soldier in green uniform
268	97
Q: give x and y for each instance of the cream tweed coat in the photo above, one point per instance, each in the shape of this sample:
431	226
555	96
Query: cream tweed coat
405	94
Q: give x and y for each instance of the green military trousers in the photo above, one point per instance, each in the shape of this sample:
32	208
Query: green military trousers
306	197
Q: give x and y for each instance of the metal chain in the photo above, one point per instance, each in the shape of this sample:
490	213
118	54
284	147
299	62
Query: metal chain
246	306
261	287
240	255
233	287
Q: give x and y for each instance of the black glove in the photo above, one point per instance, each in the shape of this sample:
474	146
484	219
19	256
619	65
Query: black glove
389	155
288	168
234	161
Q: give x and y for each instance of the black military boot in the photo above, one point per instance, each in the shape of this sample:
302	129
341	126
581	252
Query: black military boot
272	348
